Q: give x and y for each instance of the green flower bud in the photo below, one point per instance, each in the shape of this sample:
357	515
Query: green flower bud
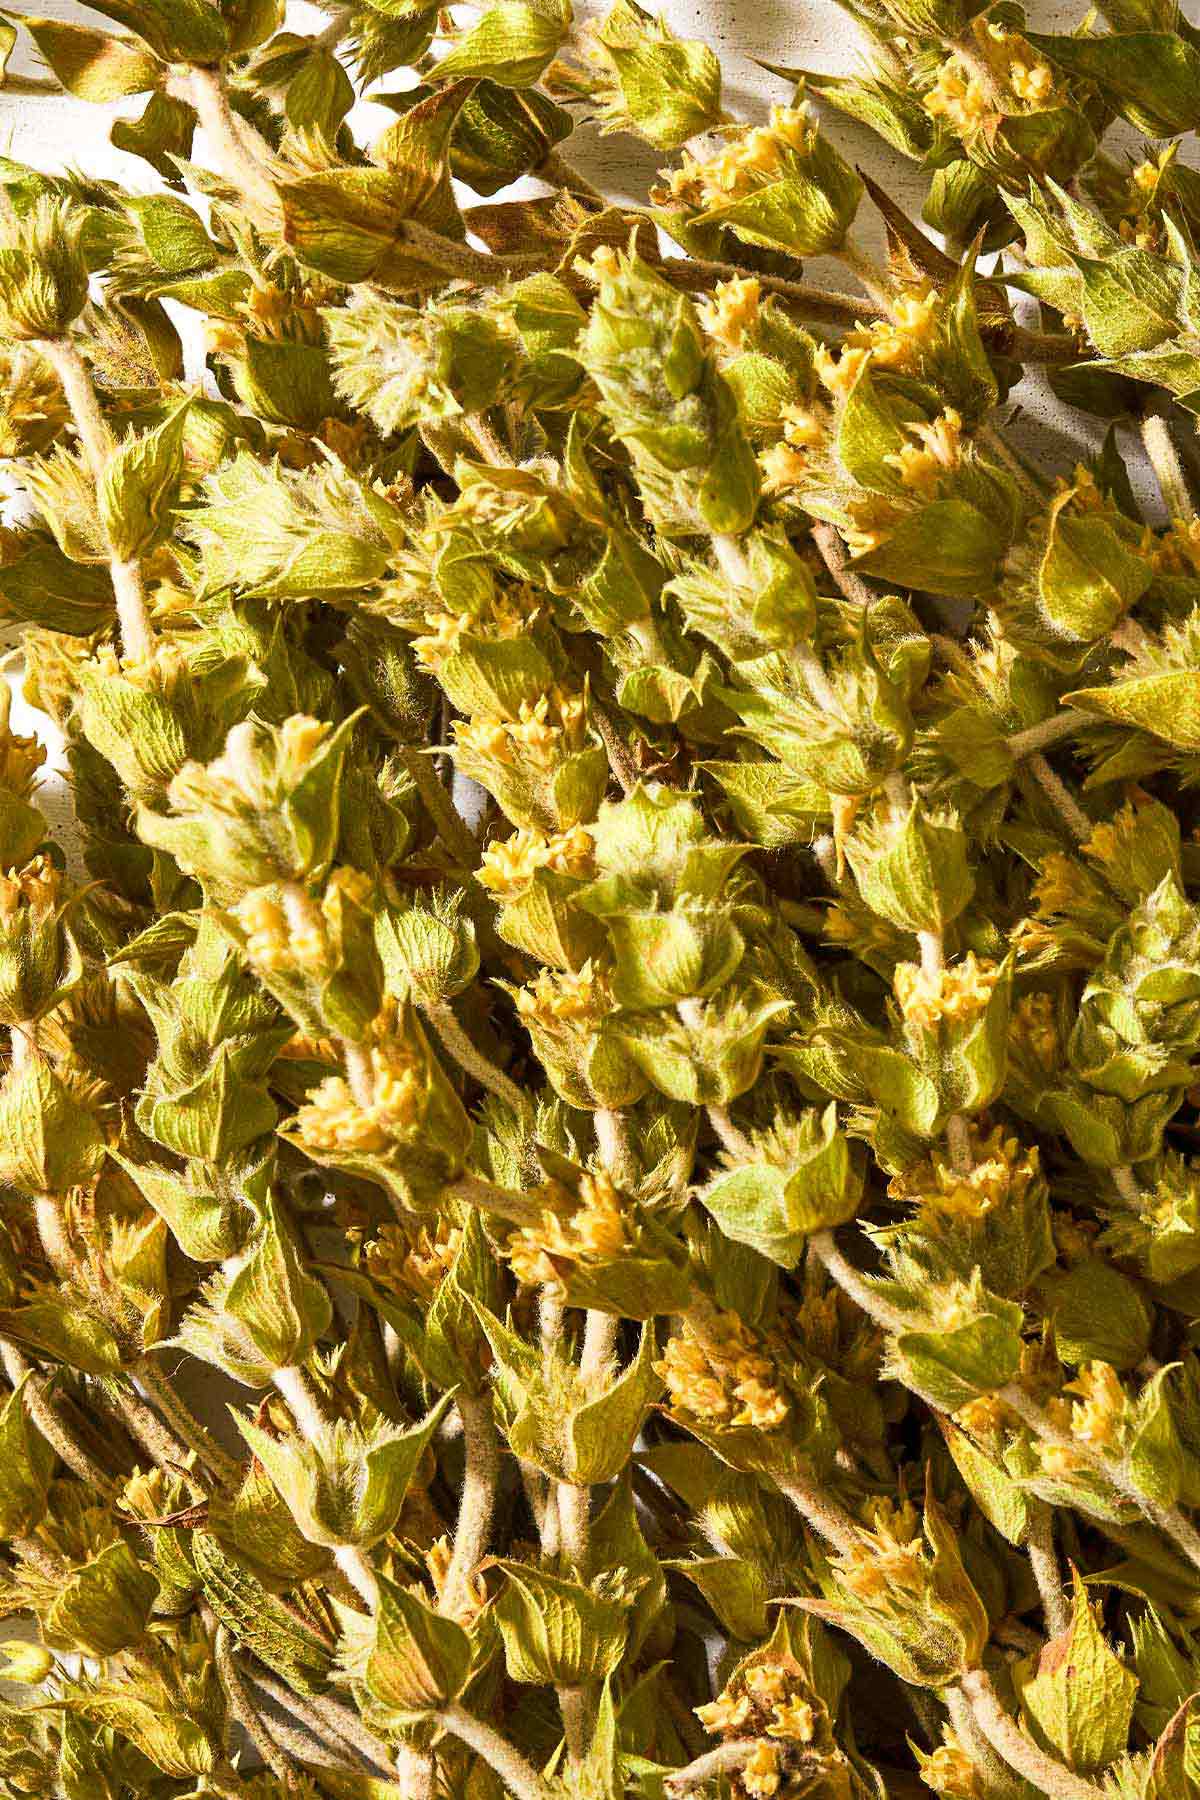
267	810
429	949
558	1631
43	274
803	1179
913	872
39	961
50	1138
26	1465
665	400
346	1486
262	1311
401	365
708	1053
102	1606
667	89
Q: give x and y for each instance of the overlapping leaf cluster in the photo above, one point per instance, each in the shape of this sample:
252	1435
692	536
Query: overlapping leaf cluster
599	1186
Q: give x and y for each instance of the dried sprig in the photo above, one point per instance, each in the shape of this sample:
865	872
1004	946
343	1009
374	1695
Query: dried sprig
636	1001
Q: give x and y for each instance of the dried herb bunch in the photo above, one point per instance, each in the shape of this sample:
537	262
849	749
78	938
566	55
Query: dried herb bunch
635	1007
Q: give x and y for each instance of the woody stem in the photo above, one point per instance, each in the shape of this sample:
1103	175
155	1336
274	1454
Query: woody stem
1043	1560
1019	1752
516	1774
456	1043
481	1479
137	637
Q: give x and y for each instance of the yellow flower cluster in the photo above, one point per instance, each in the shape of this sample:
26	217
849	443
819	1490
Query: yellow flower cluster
562	995
33	889
786	464
768	1701
596	1231
1096	1419
937	452
756	155
948	1770
761	1772
332	1119
953	995
509	615
1002	1170
413	1262
298	939
722	1376
1177	551
542	732
890	1555
161	670
961	99
733	311
509	865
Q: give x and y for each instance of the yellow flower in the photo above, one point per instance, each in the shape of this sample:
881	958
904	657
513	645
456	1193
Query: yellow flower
1099	1416
962	100
760	1775
922	466
1032	82
595	1232
732	312
332	1119
508	866
950	1771
792	1719
34	888
955	994
723	1376
441	640
564	994
1000	1169
414	1263
724	1713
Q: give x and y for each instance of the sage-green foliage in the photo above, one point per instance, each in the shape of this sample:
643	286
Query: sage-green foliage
598	1172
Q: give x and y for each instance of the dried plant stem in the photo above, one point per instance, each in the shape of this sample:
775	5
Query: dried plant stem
51	1424
449	825
967	1730
326	1717
1057	791
481	1478
726	1759
144	1425
179	1416
1168	467
860	1290
827	1516
137	637
1018	1751
517	1775
229	138
243	1709
457	1043
833	555
52	1230
1043	1560
1050	731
